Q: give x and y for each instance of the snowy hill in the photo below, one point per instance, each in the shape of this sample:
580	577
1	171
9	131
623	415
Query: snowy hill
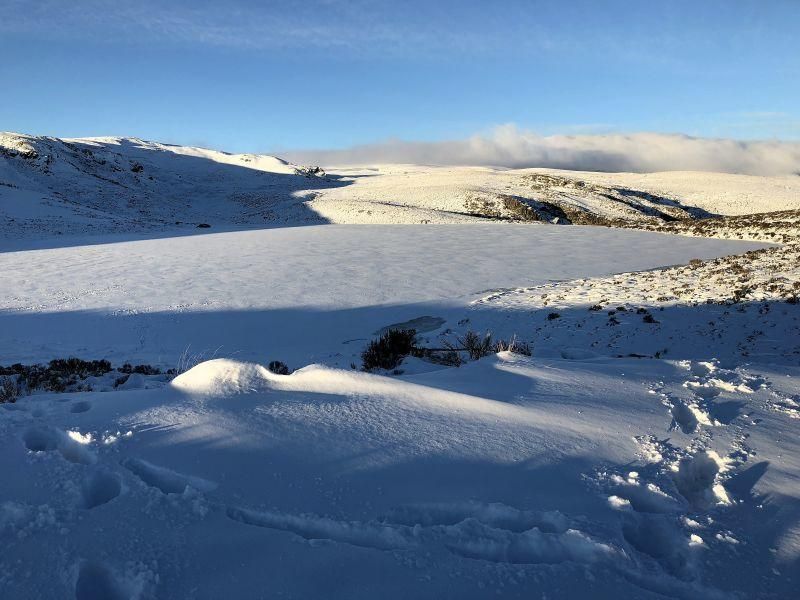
103	185
414	194
52	186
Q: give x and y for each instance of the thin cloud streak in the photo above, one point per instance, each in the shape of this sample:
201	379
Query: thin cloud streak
508	146
356	27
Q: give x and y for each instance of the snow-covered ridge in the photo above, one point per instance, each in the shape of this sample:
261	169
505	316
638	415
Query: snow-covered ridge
103	149
51	186
102	185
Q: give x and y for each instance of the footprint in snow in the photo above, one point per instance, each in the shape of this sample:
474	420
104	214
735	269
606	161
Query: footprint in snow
72	445
81	406
697	479
468	537
100	487
166	480
97	582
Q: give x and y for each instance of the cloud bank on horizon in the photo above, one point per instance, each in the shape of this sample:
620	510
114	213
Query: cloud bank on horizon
509	146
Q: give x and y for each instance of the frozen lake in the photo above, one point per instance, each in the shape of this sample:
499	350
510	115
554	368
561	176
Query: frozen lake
295	293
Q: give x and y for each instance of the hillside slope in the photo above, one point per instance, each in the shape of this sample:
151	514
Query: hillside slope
52	187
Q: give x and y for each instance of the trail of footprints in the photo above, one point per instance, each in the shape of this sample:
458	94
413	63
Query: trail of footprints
659	504
665	504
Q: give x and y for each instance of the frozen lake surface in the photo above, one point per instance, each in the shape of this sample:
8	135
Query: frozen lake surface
295	293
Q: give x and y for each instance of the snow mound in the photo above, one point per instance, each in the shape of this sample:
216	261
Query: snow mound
223	377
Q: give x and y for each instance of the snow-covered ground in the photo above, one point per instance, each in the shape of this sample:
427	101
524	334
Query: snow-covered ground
510	477
298	294
647	449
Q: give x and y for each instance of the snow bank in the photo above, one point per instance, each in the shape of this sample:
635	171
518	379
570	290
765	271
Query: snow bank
223	377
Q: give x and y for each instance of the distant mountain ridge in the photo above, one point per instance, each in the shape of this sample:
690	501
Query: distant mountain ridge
52	185
92	186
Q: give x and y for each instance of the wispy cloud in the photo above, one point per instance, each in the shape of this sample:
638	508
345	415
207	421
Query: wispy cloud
355	25
434	30
509	146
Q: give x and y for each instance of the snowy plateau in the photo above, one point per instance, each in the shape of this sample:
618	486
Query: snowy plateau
185	411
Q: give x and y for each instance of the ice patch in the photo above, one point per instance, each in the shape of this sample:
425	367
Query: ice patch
420	325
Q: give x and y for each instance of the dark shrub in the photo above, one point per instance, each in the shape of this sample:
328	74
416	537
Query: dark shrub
278	367
389	349
553	316
10	389
141	369
475	345
58	374
513	345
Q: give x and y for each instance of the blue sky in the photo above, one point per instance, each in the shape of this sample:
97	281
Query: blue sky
263	76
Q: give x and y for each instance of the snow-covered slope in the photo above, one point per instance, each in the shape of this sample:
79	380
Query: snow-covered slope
51	186
101	185
388	193
509	477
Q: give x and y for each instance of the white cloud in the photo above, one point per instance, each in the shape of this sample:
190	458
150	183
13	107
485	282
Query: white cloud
358	26
508	146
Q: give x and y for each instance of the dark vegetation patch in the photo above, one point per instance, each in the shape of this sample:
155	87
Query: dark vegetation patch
389	350
311	171
278	367
57	375
63	375
140	369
